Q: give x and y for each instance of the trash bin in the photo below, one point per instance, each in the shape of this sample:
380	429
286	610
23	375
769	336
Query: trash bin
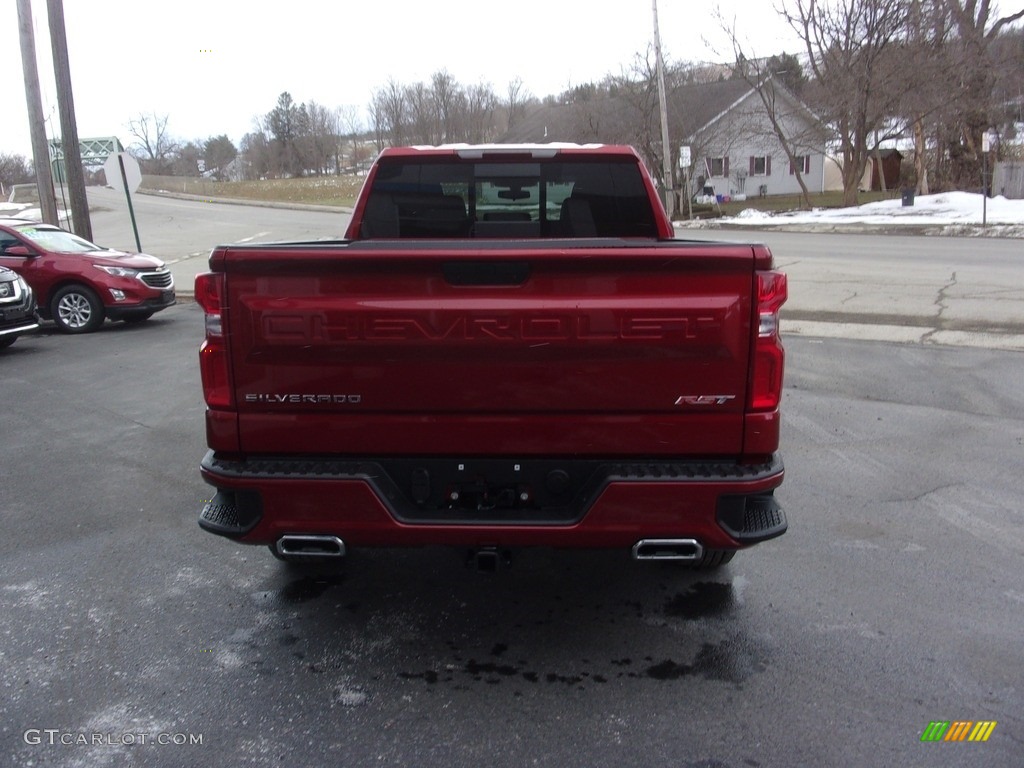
908	198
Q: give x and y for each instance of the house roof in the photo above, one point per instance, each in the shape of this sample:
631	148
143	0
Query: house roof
697	105
691	107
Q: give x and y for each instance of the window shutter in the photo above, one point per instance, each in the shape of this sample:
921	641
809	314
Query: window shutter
725	167
792	167
768	166
751	173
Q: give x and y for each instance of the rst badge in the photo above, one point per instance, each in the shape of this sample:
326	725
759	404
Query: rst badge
704	399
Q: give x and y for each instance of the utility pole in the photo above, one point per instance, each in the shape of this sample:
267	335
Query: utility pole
68	126
36	121
666	148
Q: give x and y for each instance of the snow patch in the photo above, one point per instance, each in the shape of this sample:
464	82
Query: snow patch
951	213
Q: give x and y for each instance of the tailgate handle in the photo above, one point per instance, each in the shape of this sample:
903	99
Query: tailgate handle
486	272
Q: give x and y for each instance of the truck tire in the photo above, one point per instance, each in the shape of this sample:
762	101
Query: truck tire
712	558
76	309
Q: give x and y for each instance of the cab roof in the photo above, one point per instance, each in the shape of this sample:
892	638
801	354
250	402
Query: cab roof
536	151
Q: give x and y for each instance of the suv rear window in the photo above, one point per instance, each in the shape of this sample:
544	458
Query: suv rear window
511	199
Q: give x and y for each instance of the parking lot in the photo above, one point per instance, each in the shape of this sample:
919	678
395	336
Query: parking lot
130	637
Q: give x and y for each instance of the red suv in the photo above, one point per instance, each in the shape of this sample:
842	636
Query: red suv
77	283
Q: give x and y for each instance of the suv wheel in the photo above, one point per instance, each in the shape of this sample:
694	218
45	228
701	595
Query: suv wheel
76	309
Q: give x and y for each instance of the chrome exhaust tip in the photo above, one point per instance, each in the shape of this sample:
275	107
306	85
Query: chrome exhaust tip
309	546
667	549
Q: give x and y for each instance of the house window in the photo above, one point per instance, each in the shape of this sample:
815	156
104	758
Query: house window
801	163
760	165
718	166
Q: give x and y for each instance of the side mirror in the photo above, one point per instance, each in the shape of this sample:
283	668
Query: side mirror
20	250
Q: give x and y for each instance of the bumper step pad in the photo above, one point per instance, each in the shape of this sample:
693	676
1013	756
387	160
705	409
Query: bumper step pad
231	513
751	519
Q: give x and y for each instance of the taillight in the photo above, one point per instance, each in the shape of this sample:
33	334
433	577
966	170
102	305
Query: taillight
769	356
213	354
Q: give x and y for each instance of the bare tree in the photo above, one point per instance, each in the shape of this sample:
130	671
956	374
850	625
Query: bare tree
450	105
423	122
849	47
257	155
14	169
377	109
153	145
481	103
442	112
976	26
638	87
778	104
351	125
518	96
394	111
628	110
318	137
926	62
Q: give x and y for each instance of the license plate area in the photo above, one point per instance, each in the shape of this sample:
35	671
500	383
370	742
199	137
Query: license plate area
492	491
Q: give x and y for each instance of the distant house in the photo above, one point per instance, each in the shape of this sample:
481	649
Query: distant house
733	147
1008	179
736	149
891	166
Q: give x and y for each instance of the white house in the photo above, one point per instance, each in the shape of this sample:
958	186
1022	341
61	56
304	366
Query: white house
736	149
733	146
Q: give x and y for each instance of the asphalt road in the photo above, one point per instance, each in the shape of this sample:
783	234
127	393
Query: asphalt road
894	600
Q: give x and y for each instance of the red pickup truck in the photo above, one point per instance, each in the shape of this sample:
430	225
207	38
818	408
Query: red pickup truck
508	349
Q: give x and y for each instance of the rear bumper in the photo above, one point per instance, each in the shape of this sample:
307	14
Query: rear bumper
494	502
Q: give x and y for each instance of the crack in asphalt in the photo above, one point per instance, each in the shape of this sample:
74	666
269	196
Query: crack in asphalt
941	303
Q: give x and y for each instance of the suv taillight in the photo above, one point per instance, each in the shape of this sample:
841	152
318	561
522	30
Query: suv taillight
769	356
213	354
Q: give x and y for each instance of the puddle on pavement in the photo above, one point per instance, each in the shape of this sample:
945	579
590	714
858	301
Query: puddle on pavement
308	588
703	600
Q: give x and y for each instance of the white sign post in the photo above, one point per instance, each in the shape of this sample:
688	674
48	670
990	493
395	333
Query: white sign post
986	147
123	173
685	161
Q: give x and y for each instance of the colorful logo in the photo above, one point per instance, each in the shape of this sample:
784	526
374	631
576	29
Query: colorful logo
958	730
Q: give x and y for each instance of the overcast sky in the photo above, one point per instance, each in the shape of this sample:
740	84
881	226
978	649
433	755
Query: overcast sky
214	66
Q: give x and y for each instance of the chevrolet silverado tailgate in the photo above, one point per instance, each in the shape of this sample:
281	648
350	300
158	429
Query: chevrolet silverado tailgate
540	347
